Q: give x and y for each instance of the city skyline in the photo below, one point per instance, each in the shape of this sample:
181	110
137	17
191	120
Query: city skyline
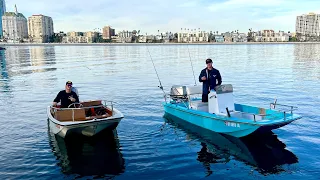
151	16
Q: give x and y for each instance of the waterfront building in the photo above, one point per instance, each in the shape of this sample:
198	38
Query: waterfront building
219	38
146	38
76	39
40	28
234	37
15	26
73	34
2	11
308	27
308	24
79	37
91	36
124	36
193	36
271	36
281	36
107	32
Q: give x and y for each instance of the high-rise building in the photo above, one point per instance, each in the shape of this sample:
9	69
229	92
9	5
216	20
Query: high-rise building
308	24
2	11
40	28
14	25
107	32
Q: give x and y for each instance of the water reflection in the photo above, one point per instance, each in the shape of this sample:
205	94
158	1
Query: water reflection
109	52
28	60
42	55
306	61
17	57
98	156
4	72
264	152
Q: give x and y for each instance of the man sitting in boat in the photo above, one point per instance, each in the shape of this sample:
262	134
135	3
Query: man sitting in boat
66	96
211	78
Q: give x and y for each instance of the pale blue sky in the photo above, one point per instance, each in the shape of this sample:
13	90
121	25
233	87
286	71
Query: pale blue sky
169	15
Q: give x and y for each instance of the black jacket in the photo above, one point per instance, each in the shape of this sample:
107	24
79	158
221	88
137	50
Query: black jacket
63	96
213	79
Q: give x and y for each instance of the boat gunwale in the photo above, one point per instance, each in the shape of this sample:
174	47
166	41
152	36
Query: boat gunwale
117	115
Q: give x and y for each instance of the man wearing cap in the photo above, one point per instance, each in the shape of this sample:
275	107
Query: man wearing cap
66	96
210	78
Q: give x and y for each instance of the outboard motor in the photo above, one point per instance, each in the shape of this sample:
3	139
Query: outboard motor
178	92
74	89
181	92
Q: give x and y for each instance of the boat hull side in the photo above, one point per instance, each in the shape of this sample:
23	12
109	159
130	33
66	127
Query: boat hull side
89	129
211	123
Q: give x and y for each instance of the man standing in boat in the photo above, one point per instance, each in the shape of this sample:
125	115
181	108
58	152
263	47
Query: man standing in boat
210	78
66	96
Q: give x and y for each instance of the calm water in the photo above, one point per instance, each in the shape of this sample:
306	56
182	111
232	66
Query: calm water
147	145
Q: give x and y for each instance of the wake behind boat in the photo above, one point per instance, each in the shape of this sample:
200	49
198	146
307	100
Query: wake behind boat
87	118
220	114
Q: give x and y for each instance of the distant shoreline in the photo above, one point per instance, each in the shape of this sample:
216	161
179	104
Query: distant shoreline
150	44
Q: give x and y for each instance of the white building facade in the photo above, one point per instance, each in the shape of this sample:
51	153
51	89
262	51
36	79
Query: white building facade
15	26
193	36
271	36
40	28
308	24
79	37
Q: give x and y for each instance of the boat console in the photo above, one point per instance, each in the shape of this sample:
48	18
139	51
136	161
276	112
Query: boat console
221	100
218	99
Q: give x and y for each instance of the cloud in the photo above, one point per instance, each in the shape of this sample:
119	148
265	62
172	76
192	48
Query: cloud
167	15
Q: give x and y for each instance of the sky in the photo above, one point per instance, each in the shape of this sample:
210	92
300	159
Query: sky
149	16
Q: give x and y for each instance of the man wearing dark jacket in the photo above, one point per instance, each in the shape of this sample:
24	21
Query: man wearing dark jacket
210	78
66	96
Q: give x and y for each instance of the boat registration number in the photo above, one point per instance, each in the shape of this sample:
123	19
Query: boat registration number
232	124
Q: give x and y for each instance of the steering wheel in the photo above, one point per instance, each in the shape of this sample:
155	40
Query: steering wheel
74	105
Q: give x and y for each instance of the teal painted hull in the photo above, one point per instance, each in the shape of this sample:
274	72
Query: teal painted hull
226	125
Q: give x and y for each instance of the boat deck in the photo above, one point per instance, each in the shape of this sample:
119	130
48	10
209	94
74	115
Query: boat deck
88	111
244	113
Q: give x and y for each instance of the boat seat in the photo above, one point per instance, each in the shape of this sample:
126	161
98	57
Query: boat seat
98	117
249	116
68	114
91	103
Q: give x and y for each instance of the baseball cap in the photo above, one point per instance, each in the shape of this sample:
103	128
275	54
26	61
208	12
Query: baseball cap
68	83
208	61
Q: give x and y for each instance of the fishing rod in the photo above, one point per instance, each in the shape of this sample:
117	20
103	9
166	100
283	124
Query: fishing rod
194	77
161	87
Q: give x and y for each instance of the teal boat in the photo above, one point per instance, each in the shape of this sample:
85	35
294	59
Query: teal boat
220	114
264	152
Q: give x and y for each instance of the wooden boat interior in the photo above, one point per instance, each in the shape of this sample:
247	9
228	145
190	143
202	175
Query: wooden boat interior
84	111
